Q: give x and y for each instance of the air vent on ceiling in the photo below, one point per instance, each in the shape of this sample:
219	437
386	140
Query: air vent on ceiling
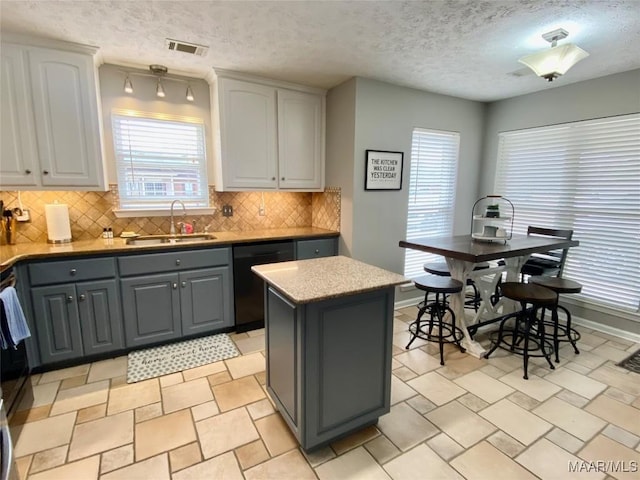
185	47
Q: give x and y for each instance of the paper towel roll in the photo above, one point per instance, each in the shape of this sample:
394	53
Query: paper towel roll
58	226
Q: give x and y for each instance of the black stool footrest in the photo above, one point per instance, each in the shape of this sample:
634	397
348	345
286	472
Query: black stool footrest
512	341
564	334
451	334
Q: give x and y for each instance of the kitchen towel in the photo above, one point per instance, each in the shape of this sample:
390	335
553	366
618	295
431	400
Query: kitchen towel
16	323
58	226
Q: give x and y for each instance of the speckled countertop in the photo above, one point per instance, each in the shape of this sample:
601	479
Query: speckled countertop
305	281
10	254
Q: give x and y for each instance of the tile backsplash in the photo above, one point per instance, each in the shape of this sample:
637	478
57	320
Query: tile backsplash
90	212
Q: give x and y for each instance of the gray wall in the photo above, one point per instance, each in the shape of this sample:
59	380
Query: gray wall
617	94
144	99
384	118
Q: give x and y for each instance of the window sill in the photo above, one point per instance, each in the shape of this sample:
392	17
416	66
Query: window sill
162	212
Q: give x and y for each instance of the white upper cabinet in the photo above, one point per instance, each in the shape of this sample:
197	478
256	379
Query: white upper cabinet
300	140
51	136
270	135
248	130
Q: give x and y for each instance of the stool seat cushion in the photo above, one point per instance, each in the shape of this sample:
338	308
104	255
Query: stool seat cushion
529	293
437	284
558	285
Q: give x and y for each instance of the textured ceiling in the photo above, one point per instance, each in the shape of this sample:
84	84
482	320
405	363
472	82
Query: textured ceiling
468	49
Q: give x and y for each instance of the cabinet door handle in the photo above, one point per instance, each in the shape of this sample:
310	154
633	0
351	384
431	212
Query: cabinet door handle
27	171
317	251
282	178
82	297
184	284
273	179
175	285
70	299
178	262
73	271
45	172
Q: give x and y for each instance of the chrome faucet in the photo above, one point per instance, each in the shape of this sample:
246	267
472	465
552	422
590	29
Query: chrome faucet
172	230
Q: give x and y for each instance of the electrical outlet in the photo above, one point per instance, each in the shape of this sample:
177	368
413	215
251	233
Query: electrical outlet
227	211
25	217
261	210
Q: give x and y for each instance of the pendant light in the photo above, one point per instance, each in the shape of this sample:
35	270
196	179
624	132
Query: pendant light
190	96
159	71
550	64
128	87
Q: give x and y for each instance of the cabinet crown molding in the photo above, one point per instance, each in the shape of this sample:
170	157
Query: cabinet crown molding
28	40
221	72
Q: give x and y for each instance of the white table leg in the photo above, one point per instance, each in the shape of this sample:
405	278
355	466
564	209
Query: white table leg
460	270
486	288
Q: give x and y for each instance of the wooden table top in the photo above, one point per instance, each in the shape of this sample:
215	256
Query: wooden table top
463	247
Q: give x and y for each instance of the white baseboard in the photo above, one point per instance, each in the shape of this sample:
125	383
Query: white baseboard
632	337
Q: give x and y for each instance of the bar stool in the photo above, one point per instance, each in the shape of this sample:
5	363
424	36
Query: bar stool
535	343
442	270
447	331
561	332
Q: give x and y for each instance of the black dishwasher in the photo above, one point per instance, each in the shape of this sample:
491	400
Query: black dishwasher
248	288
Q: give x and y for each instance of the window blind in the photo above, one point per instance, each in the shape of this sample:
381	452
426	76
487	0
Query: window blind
434	163
159	159
583	176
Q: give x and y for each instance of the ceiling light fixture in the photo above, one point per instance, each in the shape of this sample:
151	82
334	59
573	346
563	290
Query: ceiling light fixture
128	87
159	72
160	89
189	93
550	64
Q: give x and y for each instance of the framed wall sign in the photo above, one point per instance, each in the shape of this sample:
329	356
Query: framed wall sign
383	170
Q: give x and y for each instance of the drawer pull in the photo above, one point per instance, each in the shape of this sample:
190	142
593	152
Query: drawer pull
73	271
45	172
175	285
82	297
273	179
27	171
282	178
184	284
69	299
178	262
317	251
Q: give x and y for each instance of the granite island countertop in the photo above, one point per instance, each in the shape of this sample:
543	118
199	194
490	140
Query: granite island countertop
11	254
305	281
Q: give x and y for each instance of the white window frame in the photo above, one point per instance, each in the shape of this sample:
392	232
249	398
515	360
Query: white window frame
172	142
432	192
583	176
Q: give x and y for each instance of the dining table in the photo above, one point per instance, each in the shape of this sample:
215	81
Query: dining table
462	253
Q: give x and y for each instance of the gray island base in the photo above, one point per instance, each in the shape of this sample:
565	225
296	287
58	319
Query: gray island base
328	330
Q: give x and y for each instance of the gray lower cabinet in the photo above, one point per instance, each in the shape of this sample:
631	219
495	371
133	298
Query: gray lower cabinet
315	248
205	300
151	308
170	295
76	308
73	320
329	362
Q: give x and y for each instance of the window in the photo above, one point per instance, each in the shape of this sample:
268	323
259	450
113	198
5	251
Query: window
432	184
159	158
583	176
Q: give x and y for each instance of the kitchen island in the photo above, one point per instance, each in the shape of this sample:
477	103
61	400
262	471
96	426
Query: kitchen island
328	332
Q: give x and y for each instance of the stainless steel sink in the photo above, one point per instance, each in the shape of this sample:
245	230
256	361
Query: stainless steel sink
170	239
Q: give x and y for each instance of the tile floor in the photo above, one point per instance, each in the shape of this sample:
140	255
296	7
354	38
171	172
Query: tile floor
472	418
